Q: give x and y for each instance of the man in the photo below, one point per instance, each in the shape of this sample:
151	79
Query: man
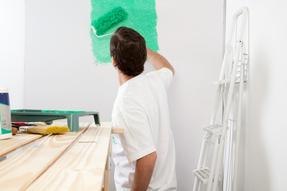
144	156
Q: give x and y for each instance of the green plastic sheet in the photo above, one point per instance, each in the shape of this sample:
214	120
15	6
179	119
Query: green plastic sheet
141	17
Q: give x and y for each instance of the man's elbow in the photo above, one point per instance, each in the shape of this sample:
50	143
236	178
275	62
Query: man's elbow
172	70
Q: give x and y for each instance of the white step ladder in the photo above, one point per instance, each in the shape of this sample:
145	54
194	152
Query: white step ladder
217	168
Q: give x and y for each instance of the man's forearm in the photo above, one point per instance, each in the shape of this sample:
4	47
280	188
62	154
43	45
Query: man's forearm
143	172
158	61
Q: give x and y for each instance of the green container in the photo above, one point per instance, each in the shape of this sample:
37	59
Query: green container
48	116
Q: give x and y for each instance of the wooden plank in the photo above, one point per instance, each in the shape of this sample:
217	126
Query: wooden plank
19	140
82	167
25	165
107	170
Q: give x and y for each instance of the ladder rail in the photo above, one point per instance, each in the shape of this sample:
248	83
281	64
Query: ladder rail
238	54
239	121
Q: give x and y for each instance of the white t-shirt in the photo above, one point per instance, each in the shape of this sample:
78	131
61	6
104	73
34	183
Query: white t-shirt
141	108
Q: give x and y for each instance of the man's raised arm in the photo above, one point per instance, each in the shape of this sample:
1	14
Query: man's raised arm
158	61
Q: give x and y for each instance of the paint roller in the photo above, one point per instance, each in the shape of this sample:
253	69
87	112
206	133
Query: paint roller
45	129
107	21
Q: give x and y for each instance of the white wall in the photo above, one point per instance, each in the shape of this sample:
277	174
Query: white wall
60	72
59	65
266	143
12	49
190	35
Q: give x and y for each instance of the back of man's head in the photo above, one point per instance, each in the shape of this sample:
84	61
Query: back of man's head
128	49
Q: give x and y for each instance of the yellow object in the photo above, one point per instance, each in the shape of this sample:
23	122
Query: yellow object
45	130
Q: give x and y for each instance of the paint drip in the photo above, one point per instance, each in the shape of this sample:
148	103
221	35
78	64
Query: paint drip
5	115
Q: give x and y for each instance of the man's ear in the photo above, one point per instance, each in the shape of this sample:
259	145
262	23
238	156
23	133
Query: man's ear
114	62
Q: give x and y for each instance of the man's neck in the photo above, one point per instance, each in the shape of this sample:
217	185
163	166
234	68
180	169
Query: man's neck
123	78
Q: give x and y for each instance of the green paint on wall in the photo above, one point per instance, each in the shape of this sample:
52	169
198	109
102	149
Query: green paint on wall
141	17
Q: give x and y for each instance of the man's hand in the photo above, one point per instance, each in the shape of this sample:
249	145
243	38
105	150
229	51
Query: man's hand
158	61
143	172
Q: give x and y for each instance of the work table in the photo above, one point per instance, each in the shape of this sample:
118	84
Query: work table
72	161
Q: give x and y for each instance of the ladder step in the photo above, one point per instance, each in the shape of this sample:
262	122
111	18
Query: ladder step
223	82
214	129
202	174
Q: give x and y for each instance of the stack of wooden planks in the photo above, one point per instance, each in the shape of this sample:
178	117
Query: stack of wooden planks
73	161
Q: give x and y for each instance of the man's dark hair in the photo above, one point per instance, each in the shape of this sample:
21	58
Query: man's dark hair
128	48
